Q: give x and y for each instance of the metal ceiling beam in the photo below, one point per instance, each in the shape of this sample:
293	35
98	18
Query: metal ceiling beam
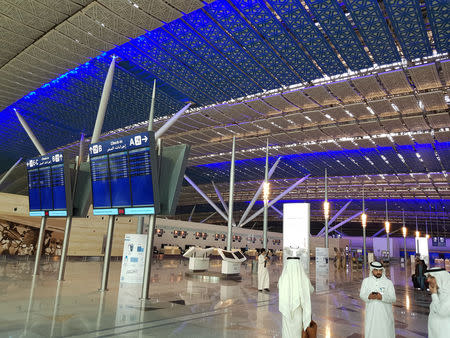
337	226
277	210
334	217
30	134
104	102
207	218
207	199
10	171
276	199
219	195
378	232
171	121
258	192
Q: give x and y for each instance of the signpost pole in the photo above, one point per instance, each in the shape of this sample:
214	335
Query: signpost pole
41	150
266	198
40	243
152	218
149	246
62	264
140	225
148	258
107	257
326	205
65	248
230	202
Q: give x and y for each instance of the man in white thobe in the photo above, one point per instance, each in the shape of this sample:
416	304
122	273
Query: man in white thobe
295	291
378	293
439	317
263	272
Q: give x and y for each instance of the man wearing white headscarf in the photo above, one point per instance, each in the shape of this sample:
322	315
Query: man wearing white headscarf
263	272
295	291
378	293
439	317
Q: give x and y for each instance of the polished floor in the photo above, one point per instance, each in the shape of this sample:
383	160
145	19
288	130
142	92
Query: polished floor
184	307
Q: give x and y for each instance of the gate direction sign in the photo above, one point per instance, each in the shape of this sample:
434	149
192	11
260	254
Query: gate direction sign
122	173
49	190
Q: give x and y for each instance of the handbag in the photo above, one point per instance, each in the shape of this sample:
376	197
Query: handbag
311	330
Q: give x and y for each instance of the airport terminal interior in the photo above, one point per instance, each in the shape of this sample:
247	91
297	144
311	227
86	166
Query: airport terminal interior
175	168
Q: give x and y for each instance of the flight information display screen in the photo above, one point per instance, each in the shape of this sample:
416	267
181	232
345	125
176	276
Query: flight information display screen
122	173
49	186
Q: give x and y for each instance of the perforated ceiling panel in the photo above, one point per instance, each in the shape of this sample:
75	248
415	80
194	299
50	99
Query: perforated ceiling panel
322	80
369	87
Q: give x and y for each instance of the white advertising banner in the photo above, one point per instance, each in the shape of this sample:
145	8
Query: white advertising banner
422	249
133	258
322	269
322	260
296	219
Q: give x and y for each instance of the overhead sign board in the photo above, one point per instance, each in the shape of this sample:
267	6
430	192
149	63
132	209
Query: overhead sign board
49	191
124	176
435	241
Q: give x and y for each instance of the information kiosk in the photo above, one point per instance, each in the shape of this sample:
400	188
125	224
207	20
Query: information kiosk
231	261
198	258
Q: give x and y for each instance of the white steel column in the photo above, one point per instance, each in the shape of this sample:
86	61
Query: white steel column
230	200
104	102
207	199
30	133
258	192
266	198
276	199
10	171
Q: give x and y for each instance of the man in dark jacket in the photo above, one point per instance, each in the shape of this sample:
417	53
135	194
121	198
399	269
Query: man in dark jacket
419	275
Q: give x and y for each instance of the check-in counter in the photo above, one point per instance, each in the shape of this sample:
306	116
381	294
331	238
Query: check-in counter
172	250
252	253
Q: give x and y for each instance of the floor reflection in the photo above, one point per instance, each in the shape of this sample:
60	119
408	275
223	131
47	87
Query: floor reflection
183	307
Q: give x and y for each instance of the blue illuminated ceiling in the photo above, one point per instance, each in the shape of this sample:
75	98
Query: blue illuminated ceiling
228	49
338	163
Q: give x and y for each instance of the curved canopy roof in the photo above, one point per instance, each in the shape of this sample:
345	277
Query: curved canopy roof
359	87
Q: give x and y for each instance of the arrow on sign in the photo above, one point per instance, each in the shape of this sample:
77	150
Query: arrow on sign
145	138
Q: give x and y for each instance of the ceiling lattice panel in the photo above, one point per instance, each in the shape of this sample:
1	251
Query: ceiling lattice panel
358	87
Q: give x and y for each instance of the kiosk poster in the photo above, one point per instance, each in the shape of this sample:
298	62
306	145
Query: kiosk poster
133	258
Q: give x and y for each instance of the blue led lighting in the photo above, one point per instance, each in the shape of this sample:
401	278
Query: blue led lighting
59	213
100	212
338	163
37	213
227	49
140	211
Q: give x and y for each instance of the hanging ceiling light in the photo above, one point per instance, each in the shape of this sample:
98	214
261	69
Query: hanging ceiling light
326	209
266	192
364	220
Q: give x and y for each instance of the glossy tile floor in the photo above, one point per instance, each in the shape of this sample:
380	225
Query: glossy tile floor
183	307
